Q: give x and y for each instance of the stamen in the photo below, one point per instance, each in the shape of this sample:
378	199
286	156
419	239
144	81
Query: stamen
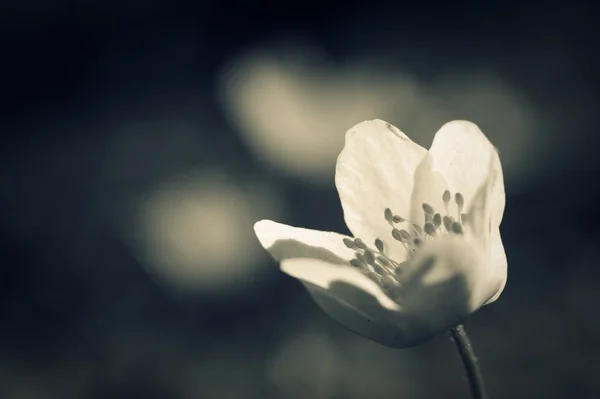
437	220
428	217
379	245
388	215
428	209
360	243
430	229
405	234
398	219
418	229
379	270
460	202
369	272
384	261
362	258
349	243
447	223
384	270
446	197
369	257
457	228
403	237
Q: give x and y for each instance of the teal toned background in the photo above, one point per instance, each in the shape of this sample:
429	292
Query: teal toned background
141	140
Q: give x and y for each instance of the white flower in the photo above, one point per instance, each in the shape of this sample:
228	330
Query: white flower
426	251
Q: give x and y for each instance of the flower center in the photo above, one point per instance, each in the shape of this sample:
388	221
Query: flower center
387	272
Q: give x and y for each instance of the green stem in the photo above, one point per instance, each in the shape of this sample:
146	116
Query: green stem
465	350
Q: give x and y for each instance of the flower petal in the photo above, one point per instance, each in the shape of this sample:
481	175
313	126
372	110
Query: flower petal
429	186
472	166
446	281
464	154
483	228
350	298
498	263
323	274
286	242
375	171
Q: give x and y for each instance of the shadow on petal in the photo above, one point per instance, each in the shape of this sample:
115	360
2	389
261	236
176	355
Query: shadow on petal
289	248
359	311
429	310
447	277
439	307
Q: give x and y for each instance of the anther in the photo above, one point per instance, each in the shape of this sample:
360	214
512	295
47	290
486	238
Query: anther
457	228
446	197
417	241
362	258
428	217
447	223
405	234
437	220
429	229
460	200
348	242
379	245
428	209
360	243
400	235
369	257
388	215
398	219
357	263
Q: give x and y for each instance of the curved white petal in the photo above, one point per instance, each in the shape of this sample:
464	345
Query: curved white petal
498	263
429	186
350	298
448	279
375	171
324	274
288	242
446	282
472	166
464	154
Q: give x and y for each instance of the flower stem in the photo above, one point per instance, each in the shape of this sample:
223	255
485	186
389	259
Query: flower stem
465	350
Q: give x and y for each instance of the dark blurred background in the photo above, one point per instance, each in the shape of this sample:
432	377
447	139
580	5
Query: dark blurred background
142	139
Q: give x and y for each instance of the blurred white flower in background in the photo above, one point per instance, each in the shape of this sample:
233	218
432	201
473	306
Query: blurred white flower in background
291	105
192	232
186	220
426	251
